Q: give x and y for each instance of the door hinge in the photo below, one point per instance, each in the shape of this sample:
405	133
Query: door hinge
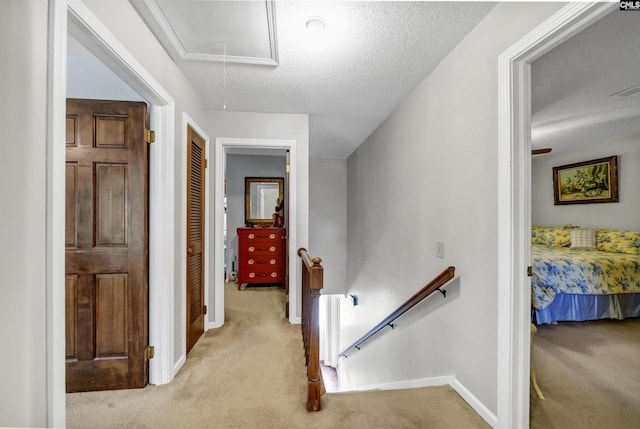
288	168
286	298
529	271
148	352
149	136
204	309
206	163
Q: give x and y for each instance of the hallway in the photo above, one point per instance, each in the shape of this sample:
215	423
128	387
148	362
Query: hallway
250	374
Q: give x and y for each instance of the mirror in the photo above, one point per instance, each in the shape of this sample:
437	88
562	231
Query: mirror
261	196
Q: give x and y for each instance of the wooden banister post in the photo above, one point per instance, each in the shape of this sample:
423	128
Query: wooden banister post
312	278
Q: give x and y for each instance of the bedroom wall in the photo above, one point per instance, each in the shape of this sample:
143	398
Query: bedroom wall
328	220
23	216
239	167
429	173
624	214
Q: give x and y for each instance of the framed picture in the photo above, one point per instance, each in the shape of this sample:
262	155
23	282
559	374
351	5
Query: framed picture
594	181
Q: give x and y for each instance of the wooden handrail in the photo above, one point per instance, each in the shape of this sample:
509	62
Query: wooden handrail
312	278
427	290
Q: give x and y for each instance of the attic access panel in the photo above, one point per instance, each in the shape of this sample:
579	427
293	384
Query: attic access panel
232	31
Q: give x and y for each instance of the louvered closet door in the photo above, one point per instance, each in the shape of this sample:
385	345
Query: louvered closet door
195	237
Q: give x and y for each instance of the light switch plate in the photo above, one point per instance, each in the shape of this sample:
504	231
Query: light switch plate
440	249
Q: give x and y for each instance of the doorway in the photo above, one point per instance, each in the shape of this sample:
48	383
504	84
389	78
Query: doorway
514	211
222	147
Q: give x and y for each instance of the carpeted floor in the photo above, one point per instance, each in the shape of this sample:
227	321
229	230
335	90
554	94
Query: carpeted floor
250	374
589	373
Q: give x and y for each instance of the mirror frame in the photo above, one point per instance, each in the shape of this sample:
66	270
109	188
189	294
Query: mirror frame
247	197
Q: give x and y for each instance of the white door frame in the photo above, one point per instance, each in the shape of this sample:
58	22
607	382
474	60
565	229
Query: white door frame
514	211
73	16
221	146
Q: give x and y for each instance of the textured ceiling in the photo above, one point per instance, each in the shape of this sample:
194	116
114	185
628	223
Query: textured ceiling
572	85
373	54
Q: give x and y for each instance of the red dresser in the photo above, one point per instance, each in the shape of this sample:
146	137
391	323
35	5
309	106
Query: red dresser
261	255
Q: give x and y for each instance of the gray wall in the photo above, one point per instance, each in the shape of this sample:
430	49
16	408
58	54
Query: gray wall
328	220
239	167
23	234
429	173
624	214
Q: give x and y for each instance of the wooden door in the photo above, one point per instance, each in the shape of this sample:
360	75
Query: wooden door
106	245
196	309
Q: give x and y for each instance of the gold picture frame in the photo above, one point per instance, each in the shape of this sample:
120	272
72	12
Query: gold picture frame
587	182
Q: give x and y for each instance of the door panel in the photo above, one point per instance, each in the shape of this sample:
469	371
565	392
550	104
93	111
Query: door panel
195	236
106	238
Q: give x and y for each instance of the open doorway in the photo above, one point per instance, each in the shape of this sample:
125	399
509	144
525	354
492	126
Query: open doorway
583	111
515	205
237	159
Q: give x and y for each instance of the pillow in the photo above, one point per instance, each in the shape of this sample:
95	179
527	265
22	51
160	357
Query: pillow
552	236
611	240
583	239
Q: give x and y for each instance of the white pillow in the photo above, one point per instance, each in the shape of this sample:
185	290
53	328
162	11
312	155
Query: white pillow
583	239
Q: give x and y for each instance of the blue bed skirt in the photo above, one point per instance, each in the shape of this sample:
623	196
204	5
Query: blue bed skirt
577	308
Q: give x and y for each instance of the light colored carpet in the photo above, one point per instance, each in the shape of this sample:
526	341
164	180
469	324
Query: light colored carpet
250	374
589	373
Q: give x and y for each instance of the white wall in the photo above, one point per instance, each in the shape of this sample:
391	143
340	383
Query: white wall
271	126
328	220
23	174
624	214
239	167
429	173
88	78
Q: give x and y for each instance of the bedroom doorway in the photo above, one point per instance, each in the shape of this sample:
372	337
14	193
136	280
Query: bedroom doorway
223	146
576	336
514	210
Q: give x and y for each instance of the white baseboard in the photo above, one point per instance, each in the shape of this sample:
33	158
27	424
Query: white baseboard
405	384
468	397
212	325
475	403
178	365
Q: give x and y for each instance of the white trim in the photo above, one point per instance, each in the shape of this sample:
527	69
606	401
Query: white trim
155	18
85	27
404	384
221	146
450	380
475	403
514	207
55	217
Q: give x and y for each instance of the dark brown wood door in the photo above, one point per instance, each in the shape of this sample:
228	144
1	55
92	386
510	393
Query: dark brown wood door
195	237
106	245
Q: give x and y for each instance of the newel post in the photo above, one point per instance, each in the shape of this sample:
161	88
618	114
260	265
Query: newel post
312	280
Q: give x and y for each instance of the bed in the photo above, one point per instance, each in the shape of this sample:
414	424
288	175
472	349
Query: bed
571	283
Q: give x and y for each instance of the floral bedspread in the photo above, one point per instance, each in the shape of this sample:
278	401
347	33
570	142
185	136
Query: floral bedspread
593	272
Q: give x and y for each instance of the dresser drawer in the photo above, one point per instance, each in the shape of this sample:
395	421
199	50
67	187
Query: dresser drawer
262	249
261	276
254	262
262	236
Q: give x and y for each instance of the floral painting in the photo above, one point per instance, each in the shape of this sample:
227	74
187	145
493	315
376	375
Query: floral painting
594	181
